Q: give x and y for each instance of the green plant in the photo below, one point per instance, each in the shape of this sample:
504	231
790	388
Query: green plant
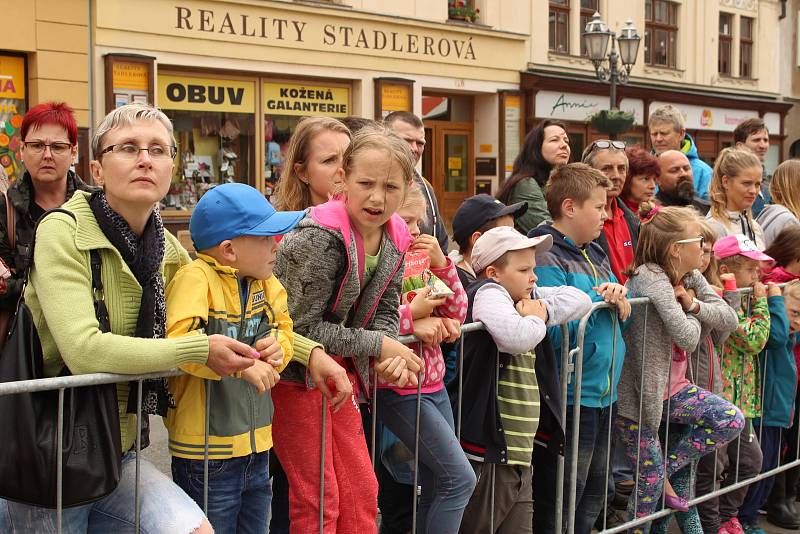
458	9
611	121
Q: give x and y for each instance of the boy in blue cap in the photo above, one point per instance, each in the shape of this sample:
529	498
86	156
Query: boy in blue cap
230	289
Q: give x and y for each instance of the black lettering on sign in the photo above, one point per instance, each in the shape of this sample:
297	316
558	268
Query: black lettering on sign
197	94
236	95
176	92
201	94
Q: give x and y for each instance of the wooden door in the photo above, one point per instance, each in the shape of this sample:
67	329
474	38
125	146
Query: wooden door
448	163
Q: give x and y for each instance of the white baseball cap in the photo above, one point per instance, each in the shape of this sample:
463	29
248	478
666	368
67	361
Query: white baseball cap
495	242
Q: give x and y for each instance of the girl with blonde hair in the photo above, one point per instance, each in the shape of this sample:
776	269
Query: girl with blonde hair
312	169
734	188
785	209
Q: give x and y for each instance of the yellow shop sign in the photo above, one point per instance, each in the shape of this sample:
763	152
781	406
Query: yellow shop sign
12	77
205	94
298	99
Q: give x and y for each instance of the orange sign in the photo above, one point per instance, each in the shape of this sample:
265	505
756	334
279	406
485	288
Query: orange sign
395	97
12	77
130	75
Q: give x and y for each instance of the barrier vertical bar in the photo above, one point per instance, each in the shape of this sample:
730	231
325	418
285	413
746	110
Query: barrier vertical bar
60	460
491	513
414	503
665	451
322	465
137	497
460	384
373	403
205	448
639	423
576	416
614	323
565	372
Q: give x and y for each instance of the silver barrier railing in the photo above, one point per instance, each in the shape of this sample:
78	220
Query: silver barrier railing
572	369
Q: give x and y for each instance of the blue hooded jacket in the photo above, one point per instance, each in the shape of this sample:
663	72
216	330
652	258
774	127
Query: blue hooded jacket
700	169
778	368
585	268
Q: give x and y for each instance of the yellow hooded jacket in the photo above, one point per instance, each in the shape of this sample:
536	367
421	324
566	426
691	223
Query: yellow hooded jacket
206	297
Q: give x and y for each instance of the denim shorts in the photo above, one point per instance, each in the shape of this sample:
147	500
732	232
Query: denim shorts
165	508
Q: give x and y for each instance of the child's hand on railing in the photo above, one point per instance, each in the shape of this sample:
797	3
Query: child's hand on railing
759	290
430	330
773	290
453	327
227	356
532	307
330	378
262	375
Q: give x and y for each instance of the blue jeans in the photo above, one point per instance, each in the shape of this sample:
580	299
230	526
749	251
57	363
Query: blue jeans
591	476
164	508
239	491
445	474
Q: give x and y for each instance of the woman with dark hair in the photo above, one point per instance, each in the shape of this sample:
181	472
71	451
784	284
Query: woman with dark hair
643	170
544	147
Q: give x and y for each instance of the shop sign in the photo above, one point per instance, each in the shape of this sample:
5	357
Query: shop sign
189	93
395	97
709	117
578	107
132	76
302	100
512	116
12	77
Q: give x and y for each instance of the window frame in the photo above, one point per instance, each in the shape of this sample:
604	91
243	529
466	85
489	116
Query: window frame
670	27
725	39
586	14
746	43
556	9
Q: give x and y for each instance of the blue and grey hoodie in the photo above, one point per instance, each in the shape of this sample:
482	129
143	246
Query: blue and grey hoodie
585	268
778	368
701	171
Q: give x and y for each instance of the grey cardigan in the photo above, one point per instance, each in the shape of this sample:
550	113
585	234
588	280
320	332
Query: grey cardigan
704	365
667	323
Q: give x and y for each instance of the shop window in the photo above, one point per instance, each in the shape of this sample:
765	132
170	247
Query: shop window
462	10
746	48
12	109
661	33
559	26
725	43
213	148
588	9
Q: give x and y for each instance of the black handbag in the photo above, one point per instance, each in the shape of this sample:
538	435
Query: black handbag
91	445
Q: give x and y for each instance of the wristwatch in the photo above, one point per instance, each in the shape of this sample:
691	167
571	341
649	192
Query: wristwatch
695	307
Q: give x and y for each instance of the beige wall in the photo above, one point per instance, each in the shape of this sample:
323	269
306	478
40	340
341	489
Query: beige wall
698	27
55	36
790	73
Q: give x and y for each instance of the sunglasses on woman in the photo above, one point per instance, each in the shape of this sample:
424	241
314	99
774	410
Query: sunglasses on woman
697	239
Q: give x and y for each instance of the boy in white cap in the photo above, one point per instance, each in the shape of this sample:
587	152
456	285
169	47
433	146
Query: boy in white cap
507	368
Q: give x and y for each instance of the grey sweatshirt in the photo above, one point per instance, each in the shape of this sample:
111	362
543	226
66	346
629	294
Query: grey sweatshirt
704	365
773	219
650	352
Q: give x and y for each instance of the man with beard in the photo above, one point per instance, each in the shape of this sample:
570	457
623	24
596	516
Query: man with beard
676	183
621	229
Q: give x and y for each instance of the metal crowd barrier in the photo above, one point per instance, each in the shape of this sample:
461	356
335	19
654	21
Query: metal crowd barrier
571	362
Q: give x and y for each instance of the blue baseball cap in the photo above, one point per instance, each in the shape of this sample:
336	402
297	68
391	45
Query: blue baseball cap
234	210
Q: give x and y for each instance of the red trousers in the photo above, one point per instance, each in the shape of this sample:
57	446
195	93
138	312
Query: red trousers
351	489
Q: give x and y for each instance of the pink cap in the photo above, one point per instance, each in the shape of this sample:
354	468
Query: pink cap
495	242
733	245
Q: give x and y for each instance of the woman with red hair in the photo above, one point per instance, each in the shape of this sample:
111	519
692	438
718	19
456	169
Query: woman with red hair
643	169
49	148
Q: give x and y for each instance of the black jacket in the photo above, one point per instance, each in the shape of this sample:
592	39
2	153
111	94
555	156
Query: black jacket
481	427
21	194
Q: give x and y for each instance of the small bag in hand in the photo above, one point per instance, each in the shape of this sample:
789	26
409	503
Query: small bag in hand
91	451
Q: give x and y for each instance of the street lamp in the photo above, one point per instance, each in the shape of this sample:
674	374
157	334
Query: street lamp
596	35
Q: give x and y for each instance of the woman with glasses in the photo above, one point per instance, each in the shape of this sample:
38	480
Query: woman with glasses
49	147
133	151
545	147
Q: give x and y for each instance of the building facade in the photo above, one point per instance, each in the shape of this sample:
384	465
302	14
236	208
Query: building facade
236	76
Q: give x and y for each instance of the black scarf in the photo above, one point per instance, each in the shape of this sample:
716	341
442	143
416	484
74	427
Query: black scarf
144	256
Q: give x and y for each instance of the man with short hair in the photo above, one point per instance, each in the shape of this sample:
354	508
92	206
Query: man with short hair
753	134
410	128
621	228
676	184
667	132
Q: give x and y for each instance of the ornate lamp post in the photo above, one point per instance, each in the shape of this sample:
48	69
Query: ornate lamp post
596	35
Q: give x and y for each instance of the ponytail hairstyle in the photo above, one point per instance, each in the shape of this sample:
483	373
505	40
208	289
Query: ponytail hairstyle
658	234
785	186
731	162
291	194
711	273
416	199
792	290
530	162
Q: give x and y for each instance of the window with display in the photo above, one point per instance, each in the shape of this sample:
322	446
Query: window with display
12	109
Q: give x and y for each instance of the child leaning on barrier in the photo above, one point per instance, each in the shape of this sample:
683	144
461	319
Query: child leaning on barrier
653	382
433	307
778	373
230	289
511	391
576	198
741	381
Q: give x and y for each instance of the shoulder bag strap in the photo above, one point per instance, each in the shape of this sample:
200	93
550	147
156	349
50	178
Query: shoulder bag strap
11	222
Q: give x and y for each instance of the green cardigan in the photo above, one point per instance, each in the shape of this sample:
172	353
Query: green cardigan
60	299
527	190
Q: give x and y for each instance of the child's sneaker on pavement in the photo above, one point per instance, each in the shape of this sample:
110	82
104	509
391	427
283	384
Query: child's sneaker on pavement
752	529
732	526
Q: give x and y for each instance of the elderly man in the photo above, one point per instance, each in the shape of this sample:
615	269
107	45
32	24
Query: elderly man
409	127
668	133
621	229
676	183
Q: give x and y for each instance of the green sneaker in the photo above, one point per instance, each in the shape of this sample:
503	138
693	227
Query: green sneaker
752	529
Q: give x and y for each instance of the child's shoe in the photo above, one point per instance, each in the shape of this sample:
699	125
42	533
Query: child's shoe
752	529
732	526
